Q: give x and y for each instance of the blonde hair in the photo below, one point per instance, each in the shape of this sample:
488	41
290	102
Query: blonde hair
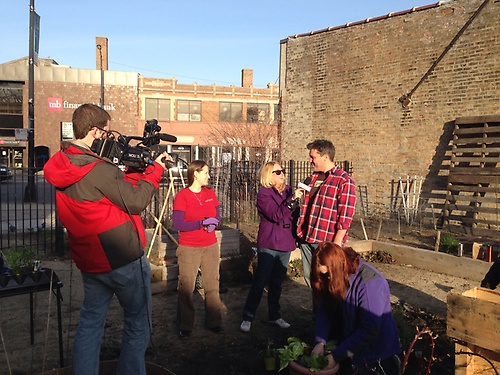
266	176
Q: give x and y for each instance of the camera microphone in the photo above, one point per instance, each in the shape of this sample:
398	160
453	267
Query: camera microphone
167	137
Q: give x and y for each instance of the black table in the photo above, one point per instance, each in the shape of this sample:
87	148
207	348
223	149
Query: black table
42	280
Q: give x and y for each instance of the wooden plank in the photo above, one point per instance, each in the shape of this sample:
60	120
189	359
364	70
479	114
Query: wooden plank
475	159
484	210
473	188
468	362
476	141
477	130
479	150
483	171
472	179
471	221
474	320
435	261
477	231
477	119
473	199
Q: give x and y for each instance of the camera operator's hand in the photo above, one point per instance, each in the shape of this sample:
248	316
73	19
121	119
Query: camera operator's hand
163	159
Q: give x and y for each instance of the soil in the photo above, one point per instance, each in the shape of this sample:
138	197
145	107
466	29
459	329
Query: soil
419	297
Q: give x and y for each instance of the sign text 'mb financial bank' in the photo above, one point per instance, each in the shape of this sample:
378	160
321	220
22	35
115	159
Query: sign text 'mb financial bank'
58	104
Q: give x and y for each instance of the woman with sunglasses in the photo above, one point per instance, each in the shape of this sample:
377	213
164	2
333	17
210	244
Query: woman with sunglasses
275	240
354	296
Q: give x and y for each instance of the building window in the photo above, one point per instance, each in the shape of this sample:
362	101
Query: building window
188	110
11	108
158	109
230	112
257	113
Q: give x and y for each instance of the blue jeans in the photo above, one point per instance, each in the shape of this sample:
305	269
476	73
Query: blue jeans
132	286
271	268
306	251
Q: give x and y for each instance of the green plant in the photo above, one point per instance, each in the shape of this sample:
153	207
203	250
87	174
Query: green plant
19	259
270	351
270	356
295	268
298	351
448	243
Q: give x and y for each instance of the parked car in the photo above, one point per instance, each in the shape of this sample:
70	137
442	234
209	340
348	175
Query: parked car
5	173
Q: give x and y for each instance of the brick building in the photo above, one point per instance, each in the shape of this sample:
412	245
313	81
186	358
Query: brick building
387	92
211	122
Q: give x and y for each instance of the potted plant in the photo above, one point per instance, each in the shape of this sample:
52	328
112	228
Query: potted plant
4	273
270	356
20	261
297	355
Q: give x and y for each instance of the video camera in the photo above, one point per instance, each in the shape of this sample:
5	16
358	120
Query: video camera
131	158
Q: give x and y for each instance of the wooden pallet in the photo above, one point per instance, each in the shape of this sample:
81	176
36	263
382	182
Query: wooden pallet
473	319
472	203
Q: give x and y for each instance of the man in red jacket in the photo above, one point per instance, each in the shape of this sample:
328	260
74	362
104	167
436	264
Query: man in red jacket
100	207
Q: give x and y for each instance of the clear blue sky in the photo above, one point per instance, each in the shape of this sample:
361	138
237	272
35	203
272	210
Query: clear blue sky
196	41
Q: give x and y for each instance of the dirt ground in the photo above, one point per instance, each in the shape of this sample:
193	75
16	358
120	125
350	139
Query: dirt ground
231	352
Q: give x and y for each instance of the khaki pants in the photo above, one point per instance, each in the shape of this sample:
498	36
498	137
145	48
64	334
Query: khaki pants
190	259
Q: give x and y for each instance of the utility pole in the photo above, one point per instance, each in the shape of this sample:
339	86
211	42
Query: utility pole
30	193
99	47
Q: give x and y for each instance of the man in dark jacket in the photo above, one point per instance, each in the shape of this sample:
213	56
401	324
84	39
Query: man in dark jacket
100	207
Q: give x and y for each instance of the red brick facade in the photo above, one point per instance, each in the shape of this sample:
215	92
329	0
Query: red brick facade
345	83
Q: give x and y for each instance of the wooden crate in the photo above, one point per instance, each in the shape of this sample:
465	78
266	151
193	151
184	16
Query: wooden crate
473	318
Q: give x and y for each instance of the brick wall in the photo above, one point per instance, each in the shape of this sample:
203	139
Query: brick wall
120	101
344	84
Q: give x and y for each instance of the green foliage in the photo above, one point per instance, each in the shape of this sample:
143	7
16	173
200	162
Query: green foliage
295	268
19	259
448	243
270	351
377	257
298	351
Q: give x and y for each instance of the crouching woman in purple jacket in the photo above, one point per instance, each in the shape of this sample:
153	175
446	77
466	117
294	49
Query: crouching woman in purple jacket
275	241
349	291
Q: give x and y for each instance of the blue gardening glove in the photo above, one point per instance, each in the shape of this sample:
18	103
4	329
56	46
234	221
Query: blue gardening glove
210	221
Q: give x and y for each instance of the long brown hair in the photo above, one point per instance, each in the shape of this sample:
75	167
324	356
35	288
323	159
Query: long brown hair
194	166
340	262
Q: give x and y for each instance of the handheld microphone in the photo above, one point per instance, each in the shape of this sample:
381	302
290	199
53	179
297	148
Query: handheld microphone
305	185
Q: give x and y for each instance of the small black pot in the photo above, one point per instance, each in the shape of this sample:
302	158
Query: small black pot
4	279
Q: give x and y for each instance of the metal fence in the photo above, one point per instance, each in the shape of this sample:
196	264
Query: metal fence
34	223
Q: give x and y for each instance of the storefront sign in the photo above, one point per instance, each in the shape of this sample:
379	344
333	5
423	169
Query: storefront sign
21	134
58	104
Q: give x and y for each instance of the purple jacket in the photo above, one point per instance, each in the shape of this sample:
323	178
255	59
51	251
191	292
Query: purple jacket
370	331
275	229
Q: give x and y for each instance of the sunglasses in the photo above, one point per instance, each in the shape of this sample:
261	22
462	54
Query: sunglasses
279	171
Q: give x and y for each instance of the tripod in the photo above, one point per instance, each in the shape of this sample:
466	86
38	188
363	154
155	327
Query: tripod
158	220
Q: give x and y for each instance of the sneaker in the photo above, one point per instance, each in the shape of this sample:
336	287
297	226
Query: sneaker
245	326
280	323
